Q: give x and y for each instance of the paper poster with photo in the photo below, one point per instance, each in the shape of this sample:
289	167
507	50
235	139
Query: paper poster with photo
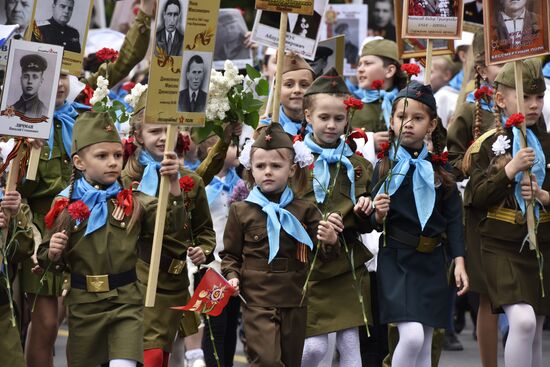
416	47
179	71
433	19
329	54
63	23
16	12
230	37
515	30
30	88
302	30
349	20
473	15
381	20
298	7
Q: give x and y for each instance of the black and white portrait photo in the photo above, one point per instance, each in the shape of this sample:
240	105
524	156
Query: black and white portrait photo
381	19
62	22
349	28
229	39
195	77
32	77
16	12
169	36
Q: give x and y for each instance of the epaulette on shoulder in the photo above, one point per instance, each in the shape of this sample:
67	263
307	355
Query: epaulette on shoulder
476	146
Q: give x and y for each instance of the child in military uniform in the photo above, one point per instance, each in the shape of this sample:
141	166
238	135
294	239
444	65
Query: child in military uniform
425	205
297	77
515	282
332	285
20	248
266	251
194	238
95	227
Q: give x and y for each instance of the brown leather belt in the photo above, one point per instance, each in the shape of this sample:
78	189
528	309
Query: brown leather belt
277	265
168	264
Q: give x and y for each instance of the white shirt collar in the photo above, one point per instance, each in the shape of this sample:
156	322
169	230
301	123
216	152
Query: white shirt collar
507	18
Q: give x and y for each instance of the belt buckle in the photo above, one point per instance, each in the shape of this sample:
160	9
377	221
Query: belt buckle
427	245
279	265
97	283
176	266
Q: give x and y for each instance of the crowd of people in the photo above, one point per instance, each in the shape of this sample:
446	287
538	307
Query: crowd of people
378	208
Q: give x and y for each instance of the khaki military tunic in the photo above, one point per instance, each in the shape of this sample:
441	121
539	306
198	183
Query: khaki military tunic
369	118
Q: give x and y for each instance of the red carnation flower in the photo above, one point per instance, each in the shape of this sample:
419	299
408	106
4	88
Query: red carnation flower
125	200
377	84
515	120
129	148
411	69
187	183
384	148
359	153
128	86
483	93
79	211
353	103
358	133
88	94
57	208
441	159
106	54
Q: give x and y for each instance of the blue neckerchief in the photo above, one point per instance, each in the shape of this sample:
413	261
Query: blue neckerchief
489	107
289	125
357	92
66	114
373	95
423	181
149	183
95	200
215	187
191	166
546	70
538	169
279	218
456	81
321	169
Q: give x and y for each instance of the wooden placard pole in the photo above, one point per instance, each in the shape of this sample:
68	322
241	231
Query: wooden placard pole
32	167
428	67
279	73
529	209
164	190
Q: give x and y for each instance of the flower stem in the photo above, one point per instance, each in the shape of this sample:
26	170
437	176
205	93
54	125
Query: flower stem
212	340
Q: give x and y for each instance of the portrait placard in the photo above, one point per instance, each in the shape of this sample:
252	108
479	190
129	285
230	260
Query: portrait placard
17	12
295	6
63	23
416	47
473	15
182	61
381	21
30	88
230	37
330	54
515	30
302	33
431	19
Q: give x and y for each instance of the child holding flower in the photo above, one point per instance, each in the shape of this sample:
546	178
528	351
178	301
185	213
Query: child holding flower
425	206
93	234
513	267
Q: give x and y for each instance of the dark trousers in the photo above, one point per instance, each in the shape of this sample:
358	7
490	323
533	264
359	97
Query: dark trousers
375	348
224	330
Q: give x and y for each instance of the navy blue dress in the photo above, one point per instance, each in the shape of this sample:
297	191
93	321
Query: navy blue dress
414	286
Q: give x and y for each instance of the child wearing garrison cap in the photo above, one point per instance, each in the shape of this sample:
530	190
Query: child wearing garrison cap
516	279
267	243
93	231
425	206
297	77
333	301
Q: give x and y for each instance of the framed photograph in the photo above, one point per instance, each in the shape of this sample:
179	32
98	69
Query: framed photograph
302	30
194	81
16	12
473	15
63	23
416	47
229	40
381	21
434	19
330	54
298	7
515	30
28	101
170	25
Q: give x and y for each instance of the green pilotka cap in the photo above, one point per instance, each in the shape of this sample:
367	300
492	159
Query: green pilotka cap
273	137
92	128
383	48
293	62
533	79
478	48
330	83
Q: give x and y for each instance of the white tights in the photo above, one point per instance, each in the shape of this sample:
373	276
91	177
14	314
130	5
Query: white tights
524	343
347	343
414	348
122	363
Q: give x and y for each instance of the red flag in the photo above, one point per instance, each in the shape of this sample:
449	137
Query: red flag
211	295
